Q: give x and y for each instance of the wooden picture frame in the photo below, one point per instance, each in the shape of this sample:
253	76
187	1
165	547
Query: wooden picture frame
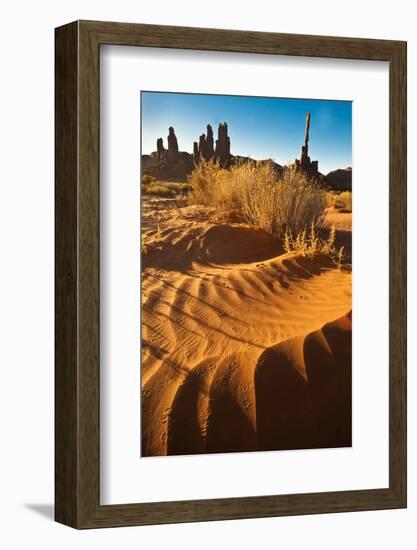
77	374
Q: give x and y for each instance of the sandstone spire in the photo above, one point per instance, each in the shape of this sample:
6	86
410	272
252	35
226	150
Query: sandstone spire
202	146
209	143
195	152
160	149
311	168
222	152
305	159
172	155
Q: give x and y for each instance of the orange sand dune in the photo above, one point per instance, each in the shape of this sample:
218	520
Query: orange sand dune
244	347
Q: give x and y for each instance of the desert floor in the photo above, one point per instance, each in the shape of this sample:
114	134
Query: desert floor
244	347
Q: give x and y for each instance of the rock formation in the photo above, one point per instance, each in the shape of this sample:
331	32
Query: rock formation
160	151
202	146
196	155
304	149
340	180
177	165
206	145
310	168
168	164
172	155
209	143
222	152
172	164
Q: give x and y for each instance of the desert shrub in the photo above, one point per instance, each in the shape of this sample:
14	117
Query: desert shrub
309	242
166	188
258	196
341	200
344	201
330	198
184	188
146	180
204	182
160	190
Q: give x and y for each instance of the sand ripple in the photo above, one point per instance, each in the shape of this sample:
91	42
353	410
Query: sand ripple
243	347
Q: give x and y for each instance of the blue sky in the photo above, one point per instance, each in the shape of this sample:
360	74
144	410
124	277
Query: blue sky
258	127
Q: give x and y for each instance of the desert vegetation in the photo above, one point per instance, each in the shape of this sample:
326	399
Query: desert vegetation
152	186
254	193
340	201
310	242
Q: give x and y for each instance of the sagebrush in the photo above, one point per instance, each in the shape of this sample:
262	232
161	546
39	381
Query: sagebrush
164	188
256	194
342	200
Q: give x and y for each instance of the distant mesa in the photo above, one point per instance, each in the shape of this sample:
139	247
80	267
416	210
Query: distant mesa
172	164
340	180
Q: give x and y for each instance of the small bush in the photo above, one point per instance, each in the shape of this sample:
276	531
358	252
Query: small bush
309	243
341	201
185	188
344	201
165	188
255	193
146	180
160	190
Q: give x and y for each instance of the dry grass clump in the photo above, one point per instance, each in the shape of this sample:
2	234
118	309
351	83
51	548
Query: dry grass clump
344	201
309	243
341	201
146	180
158	190
150	186
255	193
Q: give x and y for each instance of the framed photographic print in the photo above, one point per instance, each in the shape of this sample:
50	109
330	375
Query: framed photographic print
230	274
